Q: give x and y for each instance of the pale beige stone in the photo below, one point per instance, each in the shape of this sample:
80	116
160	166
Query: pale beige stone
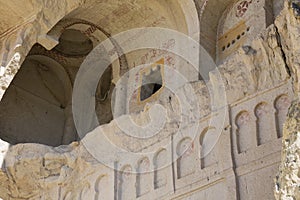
260	78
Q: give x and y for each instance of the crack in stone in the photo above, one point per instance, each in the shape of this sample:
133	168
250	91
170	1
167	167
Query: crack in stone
284	57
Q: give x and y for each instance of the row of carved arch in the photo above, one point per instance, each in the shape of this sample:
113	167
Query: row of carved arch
191	156
267	119
143	181
188	162
98	192
262	125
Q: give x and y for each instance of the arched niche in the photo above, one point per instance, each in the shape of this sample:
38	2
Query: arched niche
143	178
245	132
186	162
77	38
281	104
126	183
35	106
160	170
265	123
101	186
73	43
207	158
91	35
211	12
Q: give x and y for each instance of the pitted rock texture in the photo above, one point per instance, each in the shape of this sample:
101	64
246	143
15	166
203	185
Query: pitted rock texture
288	180
33	171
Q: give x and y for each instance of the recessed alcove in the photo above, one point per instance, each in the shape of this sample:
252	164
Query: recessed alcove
33	109
37	106
74	43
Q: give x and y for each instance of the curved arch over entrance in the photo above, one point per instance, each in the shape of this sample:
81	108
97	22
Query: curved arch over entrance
33	108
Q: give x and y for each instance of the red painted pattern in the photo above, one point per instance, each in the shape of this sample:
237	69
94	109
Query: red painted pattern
242	8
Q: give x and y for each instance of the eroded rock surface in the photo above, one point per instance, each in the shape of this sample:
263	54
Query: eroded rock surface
288	180
33	171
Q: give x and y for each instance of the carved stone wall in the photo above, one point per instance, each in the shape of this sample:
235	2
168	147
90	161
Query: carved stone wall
247	153
257	141
218	171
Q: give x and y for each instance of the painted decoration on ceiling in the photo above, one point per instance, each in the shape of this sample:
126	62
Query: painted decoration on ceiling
242	8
